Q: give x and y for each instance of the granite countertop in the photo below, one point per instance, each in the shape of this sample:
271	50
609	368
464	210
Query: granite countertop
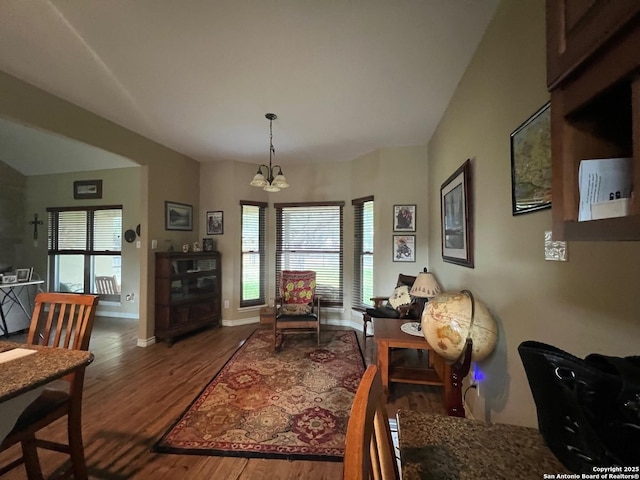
451	448
47	364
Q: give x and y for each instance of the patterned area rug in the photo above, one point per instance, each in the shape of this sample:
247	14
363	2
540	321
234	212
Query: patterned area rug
293	404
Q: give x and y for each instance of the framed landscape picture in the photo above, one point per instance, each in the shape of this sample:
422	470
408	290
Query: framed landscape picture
456	217
87	189
531	163
178	216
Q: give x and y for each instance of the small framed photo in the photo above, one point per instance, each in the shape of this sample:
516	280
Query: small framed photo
87	189
215	224
178	216
404	248
404	218
457	217
531	163
9	279
207	244
23	274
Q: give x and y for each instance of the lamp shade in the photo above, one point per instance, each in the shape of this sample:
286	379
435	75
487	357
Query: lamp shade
258	180
425	286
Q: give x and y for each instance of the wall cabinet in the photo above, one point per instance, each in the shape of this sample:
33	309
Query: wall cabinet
188	291
593	74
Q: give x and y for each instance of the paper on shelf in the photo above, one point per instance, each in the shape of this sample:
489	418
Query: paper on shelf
600	180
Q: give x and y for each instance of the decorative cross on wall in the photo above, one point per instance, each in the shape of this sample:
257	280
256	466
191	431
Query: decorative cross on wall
35	222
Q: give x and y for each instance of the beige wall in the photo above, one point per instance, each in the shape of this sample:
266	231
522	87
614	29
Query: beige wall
389	174
164	175
582	306
119	187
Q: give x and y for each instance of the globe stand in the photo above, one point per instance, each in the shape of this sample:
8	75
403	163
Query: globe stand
459	370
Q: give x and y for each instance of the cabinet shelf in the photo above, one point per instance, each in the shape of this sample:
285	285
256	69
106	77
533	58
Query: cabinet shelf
594	79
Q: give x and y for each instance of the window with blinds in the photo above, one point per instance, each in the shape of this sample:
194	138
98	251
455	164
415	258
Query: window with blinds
309	237
363	253
253	277
84	243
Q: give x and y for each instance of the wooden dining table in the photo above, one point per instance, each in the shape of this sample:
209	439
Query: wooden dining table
24	374
438	447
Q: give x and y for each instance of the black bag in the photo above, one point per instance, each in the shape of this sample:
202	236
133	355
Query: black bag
588	409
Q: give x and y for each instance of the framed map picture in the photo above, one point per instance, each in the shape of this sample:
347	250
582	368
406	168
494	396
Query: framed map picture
531	163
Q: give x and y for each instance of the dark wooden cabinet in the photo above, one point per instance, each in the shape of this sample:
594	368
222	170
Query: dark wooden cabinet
188	291
593	74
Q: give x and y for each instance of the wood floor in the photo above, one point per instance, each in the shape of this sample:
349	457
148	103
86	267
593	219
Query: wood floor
132	395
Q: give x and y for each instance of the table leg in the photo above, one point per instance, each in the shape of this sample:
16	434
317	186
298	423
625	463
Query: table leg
383	365
3	326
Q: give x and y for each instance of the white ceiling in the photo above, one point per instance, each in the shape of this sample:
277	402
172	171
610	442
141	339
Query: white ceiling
345	77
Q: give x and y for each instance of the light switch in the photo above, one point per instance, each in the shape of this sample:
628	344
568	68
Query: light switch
154	244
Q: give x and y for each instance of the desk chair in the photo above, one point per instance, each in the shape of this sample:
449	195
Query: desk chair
63	320
369	451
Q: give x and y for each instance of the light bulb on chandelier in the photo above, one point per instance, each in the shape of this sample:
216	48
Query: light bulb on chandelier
272	180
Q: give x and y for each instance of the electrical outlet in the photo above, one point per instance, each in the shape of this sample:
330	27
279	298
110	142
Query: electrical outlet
226	304
154	244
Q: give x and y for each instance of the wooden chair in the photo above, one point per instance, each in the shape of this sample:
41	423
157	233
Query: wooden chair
107	285
63	320
297	308
369	452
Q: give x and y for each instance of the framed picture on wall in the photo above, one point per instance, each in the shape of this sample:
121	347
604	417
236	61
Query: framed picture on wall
531	163
404	248
404	218
87	189
456	217
215	223
178	216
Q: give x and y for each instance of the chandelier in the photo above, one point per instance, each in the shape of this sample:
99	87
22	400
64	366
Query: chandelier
270	181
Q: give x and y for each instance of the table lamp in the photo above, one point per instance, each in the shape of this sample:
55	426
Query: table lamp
425	287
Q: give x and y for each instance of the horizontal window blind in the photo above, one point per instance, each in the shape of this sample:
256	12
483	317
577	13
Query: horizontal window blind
253	267
310	237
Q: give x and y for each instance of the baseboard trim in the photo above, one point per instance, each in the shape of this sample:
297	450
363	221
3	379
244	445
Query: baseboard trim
146	342
240	321
112	314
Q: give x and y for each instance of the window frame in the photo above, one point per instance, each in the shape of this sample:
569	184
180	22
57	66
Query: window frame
262	229
53	250
359	302
327	301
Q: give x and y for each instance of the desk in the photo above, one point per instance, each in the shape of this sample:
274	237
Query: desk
388	335
438	447
10	295
26	374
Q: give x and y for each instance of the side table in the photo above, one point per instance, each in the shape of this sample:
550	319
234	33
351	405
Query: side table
267	315
388	335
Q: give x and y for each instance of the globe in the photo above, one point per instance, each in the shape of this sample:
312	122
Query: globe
446	321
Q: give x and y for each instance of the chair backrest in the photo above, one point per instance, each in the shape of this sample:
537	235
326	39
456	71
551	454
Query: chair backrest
407	280
63	320
297	286
107	285
369	451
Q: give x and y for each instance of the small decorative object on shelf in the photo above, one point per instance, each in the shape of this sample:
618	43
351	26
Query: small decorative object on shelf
208	244
185	248
196	247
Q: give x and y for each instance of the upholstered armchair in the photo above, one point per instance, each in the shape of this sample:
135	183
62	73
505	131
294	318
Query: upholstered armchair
297	306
